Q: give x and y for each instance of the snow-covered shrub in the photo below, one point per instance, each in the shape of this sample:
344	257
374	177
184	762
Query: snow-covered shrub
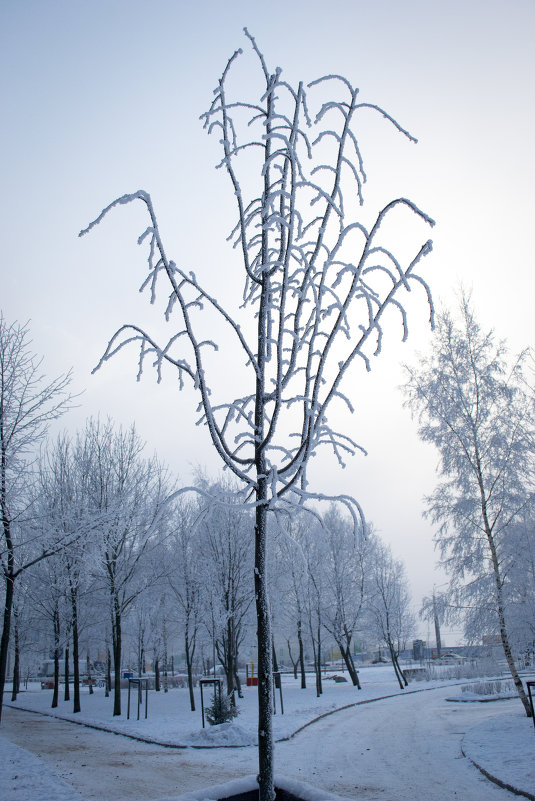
220	710
468	670
492	687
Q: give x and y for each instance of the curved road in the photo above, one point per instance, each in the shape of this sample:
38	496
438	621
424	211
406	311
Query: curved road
406	748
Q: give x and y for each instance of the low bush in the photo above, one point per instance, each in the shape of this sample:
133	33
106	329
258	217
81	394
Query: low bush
492	687
221	710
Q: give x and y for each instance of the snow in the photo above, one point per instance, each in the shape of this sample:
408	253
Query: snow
23	776
386	749
489	746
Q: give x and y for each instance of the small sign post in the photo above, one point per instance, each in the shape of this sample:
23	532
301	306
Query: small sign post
217	690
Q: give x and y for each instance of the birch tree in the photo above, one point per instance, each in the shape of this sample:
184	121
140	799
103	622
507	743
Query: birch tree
29	402
318	285
471	404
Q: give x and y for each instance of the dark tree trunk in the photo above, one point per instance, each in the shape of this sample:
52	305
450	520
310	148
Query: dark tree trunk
117	645
301	654
16	663
265	678
165	675
319	687
190	650
89	677
397	671
157	675
275	663
350	664
237	682
75	651
8	606
55	694
294	664
67	693
108	672
437	629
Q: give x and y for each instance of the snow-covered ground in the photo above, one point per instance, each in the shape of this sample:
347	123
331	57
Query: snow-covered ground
409	745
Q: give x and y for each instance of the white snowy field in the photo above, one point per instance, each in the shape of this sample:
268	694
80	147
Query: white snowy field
408	746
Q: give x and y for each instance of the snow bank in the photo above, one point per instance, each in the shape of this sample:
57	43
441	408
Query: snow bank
504	749
24	777
248	784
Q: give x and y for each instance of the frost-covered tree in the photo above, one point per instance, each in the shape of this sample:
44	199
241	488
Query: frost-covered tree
225	543
389	606
348	580
314	551
63	509
290	585
29	402
185	580
471	404
128	493
317	287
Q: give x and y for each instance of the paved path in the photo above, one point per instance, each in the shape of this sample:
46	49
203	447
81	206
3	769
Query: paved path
102	766
406	748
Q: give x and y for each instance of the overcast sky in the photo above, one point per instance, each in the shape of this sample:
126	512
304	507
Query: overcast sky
103	97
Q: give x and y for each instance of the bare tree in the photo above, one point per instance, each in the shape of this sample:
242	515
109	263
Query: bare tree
472	406
185	580
291	584
225	539
348	578
28	404
128	494
389	606
317	285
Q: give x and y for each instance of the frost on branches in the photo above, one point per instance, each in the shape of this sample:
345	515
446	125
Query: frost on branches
472	404
317	284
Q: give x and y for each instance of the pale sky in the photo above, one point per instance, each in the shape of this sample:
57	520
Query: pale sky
102	97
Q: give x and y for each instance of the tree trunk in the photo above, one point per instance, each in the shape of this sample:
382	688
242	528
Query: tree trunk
294	664
108	673
301	654
67	694
4	644
437	630
275	663
401	673
75	651
265	677
319	687
157	675
55	694
165	679
116	644
237	682
189	658
517	681
16	664
395	665
350	665
89	677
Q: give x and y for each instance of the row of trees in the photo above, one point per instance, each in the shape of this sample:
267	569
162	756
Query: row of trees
144	564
